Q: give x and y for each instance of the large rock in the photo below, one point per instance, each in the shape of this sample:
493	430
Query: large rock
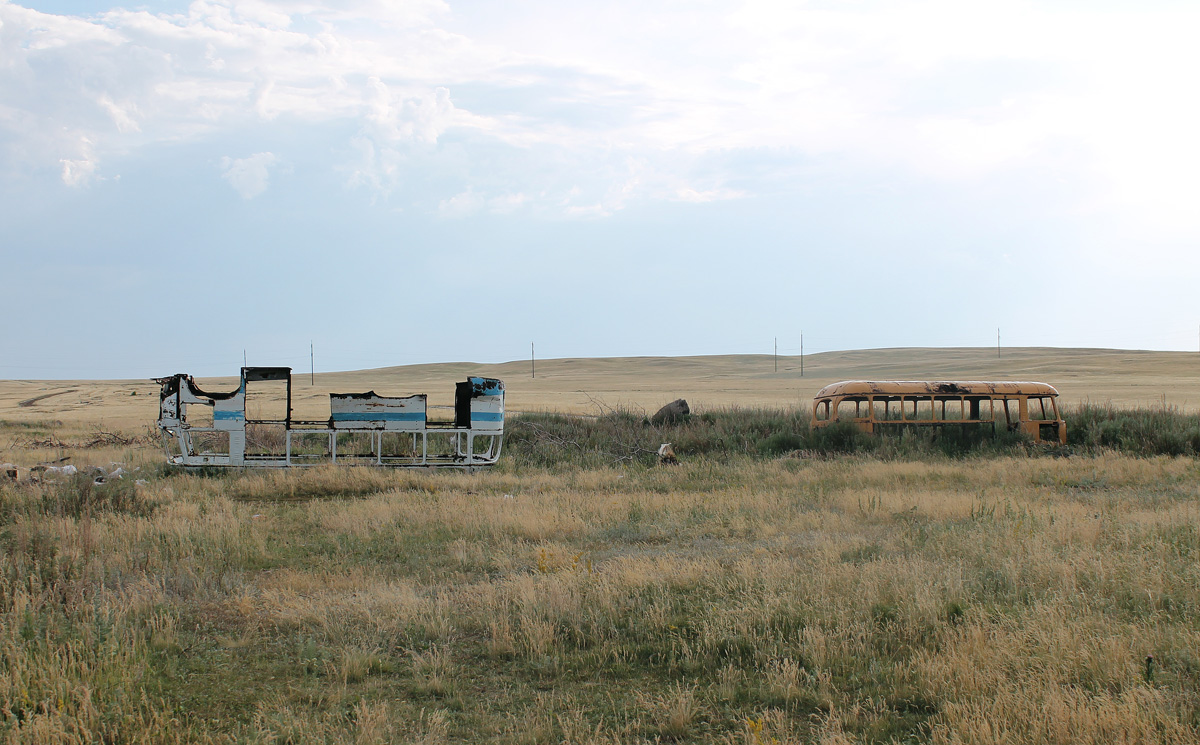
672	413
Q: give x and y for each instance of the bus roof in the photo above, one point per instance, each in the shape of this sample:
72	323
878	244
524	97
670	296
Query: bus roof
936	387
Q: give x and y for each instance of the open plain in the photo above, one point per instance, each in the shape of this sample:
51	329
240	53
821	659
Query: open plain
1006	596
591	386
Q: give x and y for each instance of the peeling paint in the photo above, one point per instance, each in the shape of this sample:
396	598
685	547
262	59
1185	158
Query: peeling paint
370	429
1027	406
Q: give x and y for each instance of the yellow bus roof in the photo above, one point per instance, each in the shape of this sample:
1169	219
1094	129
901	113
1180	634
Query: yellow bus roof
936	388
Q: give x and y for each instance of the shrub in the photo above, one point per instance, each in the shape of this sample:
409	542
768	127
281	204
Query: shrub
1161	430
556	440
780	443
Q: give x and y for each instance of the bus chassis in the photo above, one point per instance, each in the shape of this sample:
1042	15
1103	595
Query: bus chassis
362	428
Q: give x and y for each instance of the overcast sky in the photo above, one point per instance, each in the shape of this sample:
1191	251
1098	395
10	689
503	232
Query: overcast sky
426	181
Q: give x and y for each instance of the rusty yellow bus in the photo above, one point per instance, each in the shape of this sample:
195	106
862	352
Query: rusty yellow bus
876	405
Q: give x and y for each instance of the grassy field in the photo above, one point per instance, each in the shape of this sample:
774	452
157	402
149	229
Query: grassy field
591	386
1005	596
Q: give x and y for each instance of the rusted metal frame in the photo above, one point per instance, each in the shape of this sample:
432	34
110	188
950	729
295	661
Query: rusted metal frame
971	392
172	422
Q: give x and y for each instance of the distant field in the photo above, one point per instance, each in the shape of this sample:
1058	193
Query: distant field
1124	377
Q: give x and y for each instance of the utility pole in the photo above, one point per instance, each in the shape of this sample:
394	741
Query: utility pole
997	342
802	354
312	365
776	354
244	358
532	362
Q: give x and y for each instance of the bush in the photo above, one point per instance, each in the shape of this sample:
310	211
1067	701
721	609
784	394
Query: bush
782	442
556	440
1161	430
841	437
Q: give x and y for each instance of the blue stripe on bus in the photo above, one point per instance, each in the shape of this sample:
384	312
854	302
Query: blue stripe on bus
381	416
487	416
218	414
487	386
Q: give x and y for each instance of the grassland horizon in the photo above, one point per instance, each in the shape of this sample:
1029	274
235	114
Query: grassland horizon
1126	378
882	592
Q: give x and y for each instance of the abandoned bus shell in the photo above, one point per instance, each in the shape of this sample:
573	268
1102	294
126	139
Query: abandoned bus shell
362	428
874	405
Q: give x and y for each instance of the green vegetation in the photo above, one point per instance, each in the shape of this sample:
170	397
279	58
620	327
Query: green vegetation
579	593
1163	430
557	441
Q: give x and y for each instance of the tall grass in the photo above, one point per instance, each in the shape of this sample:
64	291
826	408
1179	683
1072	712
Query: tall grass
551	440
1160	430
735	598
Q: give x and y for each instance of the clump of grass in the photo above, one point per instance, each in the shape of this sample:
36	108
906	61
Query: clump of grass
81	495
356	664
676	712
433	672
1161	430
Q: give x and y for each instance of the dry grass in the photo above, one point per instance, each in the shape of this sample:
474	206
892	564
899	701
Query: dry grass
590	386
1002	600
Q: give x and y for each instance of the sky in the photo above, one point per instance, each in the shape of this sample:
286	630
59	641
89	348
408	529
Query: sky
184	186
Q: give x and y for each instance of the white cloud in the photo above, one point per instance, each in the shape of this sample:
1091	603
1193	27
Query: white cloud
940	89
120	116
249	176
470	202
420	118
78	172
461	205
688	194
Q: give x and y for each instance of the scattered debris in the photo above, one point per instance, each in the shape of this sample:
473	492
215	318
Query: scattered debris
101	476
101	438
673	413
40	473
49	442
46	472
666	454
8	471
98	439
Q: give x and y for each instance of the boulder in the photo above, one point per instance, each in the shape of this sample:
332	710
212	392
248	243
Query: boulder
672	413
